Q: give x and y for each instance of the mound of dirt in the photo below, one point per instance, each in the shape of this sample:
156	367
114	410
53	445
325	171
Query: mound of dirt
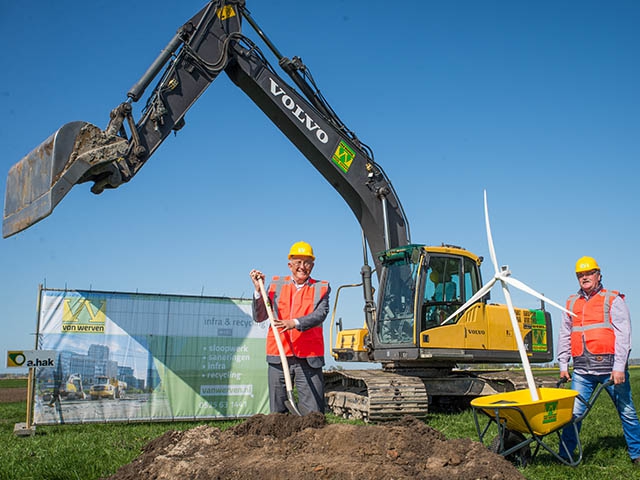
276	446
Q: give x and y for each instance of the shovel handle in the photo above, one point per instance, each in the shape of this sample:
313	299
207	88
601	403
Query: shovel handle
276	334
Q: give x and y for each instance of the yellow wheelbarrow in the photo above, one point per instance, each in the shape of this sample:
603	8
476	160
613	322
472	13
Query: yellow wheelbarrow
521	421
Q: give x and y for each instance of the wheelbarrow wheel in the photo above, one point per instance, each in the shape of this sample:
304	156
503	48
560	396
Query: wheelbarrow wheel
520	457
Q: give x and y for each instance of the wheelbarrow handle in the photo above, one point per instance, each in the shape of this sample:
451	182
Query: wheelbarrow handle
561	382
564	380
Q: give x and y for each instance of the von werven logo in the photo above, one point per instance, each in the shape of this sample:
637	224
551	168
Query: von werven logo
81	315
343	157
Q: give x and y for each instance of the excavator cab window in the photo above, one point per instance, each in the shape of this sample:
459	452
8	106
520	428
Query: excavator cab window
396	314
443	291
472	281
449	282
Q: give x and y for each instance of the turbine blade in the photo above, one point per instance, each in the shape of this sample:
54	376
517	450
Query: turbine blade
492	251
525	288
521	348
477	296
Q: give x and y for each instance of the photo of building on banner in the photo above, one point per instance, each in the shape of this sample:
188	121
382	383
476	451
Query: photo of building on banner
124	357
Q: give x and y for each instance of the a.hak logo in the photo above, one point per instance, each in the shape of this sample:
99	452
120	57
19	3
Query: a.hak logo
31	358
15	359
81	315
46	362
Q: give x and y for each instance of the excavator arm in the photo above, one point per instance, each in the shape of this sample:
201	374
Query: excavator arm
208	44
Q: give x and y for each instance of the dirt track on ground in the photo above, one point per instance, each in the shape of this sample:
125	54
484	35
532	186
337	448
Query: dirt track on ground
13	395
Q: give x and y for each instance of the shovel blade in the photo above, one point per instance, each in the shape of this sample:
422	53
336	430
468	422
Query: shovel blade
291	404
38	182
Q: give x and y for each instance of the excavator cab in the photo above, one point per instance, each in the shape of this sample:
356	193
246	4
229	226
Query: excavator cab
449	281
420	287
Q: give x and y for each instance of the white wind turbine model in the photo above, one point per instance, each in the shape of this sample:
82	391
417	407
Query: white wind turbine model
503	275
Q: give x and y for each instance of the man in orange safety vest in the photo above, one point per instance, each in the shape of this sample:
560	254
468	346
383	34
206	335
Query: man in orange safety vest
300	305
598	340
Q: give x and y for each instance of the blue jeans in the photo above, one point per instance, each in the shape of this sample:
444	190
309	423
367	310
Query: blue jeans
621	396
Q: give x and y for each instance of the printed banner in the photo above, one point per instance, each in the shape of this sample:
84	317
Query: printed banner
125	357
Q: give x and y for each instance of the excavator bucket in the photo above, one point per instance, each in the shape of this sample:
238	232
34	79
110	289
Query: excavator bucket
38	182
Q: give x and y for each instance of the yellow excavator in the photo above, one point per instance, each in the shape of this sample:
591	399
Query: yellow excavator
419	286
419	344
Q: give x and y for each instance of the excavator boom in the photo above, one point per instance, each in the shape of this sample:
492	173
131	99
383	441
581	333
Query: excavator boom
208	44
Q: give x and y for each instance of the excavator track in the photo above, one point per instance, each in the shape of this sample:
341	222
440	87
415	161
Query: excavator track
374	395
382	395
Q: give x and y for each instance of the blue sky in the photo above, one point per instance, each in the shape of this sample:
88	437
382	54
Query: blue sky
536	102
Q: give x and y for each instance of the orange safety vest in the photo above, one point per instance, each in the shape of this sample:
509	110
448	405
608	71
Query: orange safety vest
290	302
592	327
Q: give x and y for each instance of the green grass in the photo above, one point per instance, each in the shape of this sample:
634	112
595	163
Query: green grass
93	451
13	383
70	452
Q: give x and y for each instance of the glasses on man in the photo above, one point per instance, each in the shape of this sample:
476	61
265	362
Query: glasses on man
300	263
586	274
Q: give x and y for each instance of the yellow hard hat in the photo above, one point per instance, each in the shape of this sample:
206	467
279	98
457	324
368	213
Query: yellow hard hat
584	264
302	249
435	277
